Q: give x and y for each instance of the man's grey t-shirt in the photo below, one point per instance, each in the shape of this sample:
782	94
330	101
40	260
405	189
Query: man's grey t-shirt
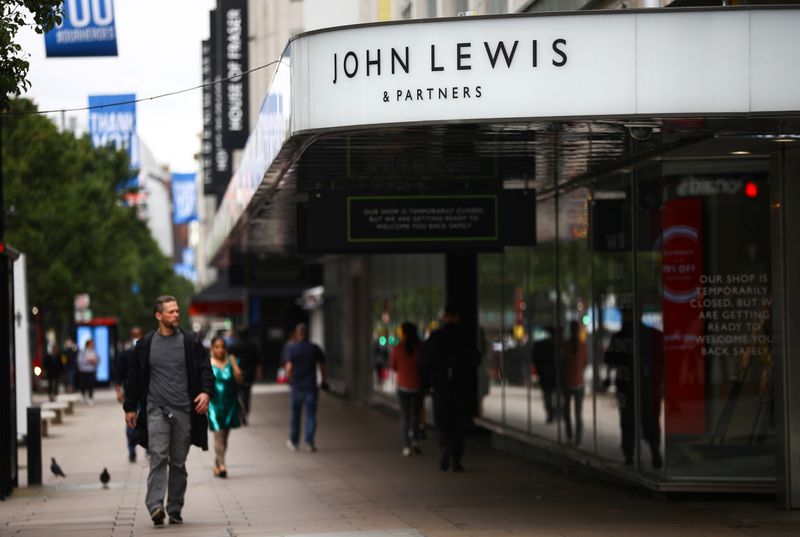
168	382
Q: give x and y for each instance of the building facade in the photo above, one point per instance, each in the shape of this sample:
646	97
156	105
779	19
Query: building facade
616	184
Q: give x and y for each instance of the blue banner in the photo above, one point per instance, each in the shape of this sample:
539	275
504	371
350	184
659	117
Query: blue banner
87	29
187	271
111	123
184	198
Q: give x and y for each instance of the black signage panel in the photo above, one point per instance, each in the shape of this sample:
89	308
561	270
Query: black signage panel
221	160
381	219
610	229
207	151
334	222
233	58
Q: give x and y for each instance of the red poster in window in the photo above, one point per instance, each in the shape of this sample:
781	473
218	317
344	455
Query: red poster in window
682	266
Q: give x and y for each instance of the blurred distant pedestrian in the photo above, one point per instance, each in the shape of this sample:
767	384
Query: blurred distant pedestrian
450	362
166	400
87	371
303	358
120	377
246	352
575	362
224	411
291	340
404	361
544	359
71	351
53	367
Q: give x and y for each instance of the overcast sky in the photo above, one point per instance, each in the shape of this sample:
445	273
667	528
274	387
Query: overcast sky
158	44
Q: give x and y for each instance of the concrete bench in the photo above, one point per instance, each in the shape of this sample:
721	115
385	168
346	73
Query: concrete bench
48	417
71	399
59	407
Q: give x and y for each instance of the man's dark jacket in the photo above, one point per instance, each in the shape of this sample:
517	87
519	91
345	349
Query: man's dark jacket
199	376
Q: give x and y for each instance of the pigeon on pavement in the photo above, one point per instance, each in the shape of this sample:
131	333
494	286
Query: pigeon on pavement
105	477
55	468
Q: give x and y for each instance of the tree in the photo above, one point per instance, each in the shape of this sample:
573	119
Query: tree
64	214
13	66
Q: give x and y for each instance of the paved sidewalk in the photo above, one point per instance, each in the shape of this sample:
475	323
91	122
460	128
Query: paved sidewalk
357	485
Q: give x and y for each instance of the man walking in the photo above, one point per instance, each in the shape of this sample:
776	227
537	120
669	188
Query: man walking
302	360
450	364
123	365
170	383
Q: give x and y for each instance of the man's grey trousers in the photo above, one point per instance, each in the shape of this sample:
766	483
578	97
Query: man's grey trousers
169	438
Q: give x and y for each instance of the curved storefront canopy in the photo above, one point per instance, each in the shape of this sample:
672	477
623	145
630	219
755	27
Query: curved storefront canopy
552	92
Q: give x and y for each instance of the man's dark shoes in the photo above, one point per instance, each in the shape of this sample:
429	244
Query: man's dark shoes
457	467
157	515
444	462
175	518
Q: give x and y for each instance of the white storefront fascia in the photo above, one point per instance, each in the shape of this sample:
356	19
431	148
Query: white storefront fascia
626	64
651	63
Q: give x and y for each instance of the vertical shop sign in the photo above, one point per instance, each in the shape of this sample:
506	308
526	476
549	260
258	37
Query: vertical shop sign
87	29
207	151
221	157
682	268
232	57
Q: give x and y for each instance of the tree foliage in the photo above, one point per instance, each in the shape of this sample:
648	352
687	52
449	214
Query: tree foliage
64	214
13	65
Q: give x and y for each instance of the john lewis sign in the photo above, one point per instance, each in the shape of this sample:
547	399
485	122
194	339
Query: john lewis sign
645	63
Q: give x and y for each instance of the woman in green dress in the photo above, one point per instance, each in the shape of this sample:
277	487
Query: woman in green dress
223	412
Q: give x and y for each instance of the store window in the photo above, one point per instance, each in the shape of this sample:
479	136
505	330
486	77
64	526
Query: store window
713	241
404	288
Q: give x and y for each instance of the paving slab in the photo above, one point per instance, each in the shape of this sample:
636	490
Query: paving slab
357	485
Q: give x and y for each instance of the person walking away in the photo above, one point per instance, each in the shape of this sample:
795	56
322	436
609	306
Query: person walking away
247	357
87	371
224	411
71	352
449	361
303	358
404	361
166	400
575	361
53	367
120	376
620	355
544	359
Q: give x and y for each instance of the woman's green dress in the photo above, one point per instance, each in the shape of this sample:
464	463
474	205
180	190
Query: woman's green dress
223	412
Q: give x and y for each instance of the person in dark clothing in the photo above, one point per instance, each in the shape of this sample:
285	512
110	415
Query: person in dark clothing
53	367
120	376
450	363
246	352
544	358
303	358
167	393
71	352
620	355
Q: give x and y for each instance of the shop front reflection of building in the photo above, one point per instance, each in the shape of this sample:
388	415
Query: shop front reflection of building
656	237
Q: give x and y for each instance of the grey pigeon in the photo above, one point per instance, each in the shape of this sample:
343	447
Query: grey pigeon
105	477
56	469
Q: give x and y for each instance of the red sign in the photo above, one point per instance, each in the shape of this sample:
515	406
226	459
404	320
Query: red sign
682	266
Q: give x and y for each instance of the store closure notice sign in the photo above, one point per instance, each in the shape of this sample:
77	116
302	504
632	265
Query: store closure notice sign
415	218
413	222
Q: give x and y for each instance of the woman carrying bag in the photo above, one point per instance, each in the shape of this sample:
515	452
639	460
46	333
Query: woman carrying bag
224	412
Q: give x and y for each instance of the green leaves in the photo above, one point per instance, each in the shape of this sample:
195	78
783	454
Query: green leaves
13	67
76	235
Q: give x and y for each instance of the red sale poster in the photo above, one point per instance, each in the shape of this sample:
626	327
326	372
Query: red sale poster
682	267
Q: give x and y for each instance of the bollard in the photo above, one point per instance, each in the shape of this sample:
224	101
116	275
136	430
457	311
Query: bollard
34	443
